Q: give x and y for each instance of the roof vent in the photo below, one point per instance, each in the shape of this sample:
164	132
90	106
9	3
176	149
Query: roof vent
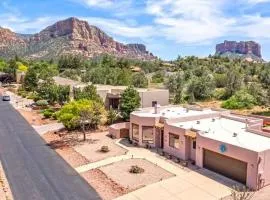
198	122
213	120
234	134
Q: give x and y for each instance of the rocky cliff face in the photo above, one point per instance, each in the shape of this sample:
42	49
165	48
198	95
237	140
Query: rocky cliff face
70	36
248	48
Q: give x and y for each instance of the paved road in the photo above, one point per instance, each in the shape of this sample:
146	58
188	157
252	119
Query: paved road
34	171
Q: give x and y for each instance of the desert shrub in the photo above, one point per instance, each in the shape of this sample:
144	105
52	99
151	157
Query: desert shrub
42	103
54	115
22	93
112	116
220	80
220	94
240	100
158	77
135	169
241	193
104	149
69	120
32	96
47	113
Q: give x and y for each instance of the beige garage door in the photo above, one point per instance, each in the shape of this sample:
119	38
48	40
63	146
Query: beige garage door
227	166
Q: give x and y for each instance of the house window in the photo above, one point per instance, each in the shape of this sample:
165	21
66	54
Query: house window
174	141
194	144
154	103
148	134
135	132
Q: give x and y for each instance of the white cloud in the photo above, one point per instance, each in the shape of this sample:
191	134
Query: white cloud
254	27
22	24
257	1
123	29
189	21
182	21
95	3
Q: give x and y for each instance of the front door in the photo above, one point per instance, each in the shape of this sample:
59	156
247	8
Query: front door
161	138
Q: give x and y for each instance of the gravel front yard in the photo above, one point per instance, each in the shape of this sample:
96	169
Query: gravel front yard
91	151
106	188
34	117
119	172
64	150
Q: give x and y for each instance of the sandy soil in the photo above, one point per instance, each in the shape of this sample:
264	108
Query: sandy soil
62	146
5	192
92	150
119	172
34	117
106	187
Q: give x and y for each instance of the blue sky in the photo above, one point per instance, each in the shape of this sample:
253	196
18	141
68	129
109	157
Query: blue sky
167	27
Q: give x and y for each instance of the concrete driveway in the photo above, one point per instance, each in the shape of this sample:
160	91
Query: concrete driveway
190	186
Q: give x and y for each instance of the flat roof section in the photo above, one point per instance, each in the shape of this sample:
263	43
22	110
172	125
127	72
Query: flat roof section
228	131
171	112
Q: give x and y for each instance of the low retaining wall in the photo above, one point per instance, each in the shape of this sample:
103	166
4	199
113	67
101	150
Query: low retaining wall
115	129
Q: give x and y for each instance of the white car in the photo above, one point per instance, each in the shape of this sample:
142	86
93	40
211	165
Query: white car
6	98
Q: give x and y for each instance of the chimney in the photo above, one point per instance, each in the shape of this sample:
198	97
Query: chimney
156	108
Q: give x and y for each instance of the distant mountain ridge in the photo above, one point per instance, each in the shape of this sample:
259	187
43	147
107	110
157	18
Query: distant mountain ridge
248	50
70	36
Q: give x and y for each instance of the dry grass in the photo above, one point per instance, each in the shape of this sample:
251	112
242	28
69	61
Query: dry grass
119	172
106	187
217	104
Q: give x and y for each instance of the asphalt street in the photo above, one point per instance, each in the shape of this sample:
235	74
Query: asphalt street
34	171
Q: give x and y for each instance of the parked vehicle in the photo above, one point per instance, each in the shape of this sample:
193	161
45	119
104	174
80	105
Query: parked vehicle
6	98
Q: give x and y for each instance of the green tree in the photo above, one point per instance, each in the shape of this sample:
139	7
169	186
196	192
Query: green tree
158	77
130	100
201	88
241	99
89	92
139	80
3	65
11	68
234	81
30	82
112	116
259	93
80	113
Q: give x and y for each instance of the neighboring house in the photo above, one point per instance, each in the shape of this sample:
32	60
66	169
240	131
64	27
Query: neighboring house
111	94
232	145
